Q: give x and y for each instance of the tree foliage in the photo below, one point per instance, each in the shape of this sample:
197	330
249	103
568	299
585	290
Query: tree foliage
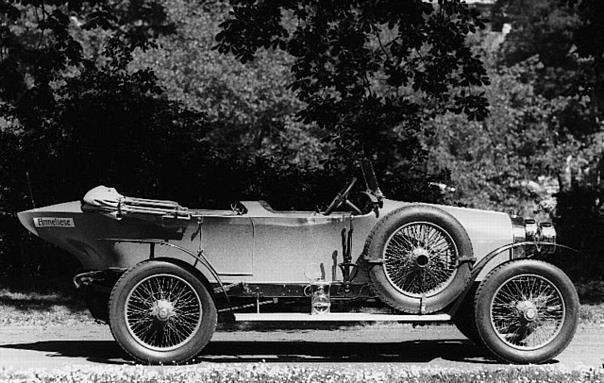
543	137
565	35
248	107
40	44
368	72
261	151
132	95
71	113
523	140
254	97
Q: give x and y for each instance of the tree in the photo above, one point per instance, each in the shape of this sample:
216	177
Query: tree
72	114
254	98
43	42
269	154
368	72
539	27
523	140
565	35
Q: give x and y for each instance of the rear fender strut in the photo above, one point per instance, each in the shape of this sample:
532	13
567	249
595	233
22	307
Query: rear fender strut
538	248
198	257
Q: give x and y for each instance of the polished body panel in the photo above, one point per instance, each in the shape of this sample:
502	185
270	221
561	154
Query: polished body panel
260	246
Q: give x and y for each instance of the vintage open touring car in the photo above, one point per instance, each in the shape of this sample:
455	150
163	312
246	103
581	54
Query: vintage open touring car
162	275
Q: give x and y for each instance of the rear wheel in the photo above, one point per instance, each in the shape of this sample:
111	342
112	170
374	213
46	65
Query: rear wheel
161	313
526	311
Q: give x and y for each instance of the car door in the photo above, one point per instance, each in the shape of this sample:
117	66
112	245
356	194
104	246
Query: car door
228	244
291	248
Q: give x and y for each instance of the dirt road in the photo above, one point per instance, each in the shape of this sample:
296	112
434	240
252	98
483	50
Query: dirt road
55	347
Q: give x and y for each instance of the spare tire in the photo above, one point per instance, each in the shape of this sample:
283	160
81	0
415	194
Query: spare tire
420	259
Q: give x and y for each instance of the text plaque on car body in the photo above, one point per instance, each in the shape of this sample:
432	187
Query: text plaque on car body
53	222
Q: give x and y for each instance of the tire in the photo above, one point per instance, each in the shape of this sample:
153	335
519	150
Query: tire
397	239
147	320
465	320
526	311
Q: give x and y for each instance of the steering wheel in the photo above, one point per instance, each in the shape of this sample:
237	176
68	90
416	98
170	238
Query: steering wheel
342	197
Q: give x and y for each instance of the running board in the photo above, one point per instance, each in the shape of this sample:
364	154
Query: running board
339	317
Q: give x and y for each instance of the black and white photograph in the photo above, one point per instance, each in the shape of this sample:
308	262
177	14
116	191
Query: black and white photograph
302	191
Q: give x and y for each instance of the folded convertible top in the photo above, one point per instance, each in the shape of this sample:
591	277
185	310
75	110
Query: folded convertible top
108	201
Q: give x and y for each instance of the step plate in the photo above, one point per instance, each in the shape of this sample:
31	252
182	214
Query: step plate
339	317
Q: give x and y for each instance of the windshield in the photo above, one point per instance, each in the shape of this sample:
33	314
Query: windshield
371	179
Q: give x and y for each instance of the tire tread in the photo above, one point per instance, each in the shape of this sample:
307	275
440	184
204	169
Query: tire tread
115	291
483	285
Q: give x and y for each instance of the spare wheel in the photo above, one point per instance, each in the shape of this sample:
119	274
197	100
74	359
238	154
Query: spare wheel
421	259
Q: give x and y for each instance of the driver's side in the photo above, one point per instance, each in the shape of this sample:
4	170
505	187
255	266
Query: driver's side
360	203
342	199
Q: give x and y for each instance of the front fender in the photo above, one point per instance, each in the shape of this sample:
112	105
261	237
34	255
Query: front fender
532	249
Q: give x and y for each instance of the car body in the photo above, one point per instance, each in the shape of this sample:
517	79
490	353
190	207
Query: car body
418	262
259	246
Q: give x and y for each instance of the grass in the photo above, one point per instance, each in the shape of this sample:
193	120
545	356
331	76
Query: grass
211	373
592	314
591	292
35	309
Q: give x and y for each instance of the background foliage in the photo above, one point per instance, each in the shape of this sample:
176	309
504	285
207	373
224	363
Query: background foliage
140	95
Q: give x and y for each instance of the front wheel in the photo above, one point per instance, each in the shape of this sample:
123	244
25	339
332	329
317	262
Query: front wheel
526	311
161	313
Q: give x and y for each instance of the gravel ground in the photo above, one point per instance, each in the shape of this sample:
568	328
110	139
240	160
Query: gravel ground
369	346
309	374
49	338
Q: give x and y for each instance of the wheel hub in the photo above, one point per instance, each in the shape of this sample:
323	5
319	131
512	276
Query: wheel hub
162	310
421	256
528	311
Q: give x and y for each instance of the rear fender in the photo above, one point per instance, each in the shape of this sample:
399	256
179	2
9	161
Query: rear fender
190	268
214	292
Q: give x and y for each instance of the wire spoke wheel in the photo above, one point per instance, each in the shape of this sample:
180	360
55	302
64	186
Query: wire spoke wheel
527	311
163	312
420	259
